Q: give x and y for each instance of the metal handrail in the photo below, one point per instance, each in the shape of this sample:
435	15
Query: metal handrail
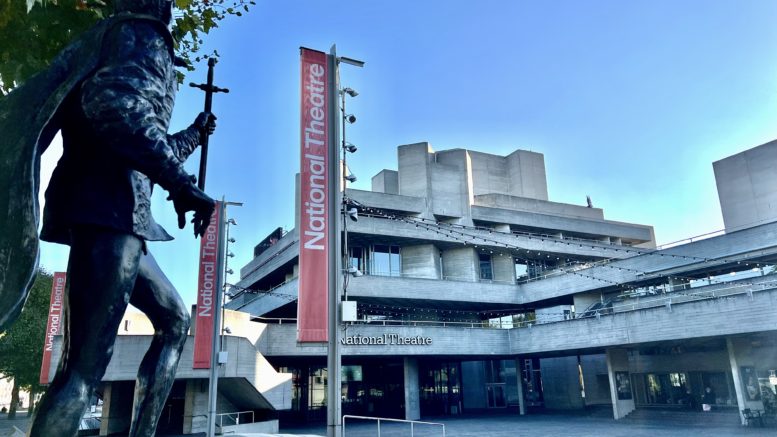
379	419
236	416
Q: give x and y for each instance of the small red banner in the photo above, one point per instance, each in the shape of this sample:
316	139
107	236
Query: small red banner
54	324
314	195
207	287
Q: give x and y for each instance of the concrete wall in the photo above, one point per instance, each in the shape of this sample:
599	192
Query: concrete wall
503	267
421	261
561	383
747	186
117	407
461	264
494	200
527	174
412	394
473	386
740	353
489	173
596	379
387	181
413	165
618	361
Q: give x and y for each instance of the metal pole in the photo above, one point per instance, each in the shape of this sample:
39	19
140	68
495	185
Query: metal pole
333	404
214	365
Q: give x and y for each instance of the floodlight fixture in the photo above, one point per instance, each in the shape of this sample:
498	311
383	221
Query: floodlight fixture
350	118
349	147
353	214
232	222
351	178
353	271
351	61
350	91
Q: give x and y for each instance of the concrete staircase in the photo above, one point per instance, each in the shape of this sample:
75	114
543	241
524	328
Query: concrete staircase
725	417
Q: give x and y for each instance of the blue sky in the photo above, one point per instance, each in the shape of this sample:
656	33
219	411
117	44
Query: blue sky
630	102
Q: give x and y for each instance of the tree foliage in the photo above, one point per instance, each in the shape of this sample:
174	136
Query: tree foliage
32	32
21	346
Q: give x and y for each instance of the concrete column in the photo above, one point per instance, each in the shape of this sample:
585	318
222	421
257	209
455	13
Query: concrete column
739	355
117	407
460	264
519	375
412	393
421	261
504	268
195	416
618	361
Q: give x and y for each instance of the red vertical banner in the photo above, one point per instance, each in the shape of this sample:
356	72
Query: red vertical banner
54	324
207	287
314	196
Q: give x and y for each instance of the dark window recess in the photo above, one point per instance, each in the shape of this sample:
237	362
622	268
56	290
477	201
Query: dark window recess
486	271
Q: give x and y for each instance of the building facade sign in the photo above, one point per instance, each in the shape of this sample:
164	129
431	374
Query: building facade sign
207	287
54	324
388	339
314	194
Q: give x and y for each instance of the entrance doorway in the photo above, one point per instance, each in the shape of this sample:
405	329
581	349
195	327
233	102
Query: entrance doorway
440	388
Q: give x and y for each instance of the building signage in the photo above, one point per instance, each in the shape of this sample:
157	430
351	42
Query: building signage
207	287
385	339
314	217
54	324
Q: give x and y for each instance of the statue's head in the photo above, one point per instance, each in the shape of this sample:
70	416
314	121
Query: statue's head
162	9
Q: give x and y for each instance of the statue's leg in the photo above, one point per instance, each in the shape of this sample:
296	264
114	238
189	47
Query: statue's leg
157	298
102	268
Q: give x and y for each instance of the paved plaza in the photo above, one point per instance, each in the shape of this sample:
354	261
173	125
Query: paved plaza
531	425
555	425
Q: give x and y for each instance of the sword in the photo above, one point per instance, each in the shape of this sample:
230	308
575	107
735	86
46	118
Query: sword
209	89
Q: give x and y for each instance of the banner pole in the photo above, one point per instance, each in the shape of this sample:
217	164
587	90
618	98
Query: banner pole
333	404
213	380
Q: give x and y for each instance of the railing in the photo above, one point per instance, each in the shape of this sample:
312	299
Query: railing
234	418
714	291
412	423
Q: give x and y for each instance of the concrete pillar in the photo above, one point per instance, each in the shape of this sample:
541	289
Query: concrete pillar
519	375
739	356
387	181
412	393
413	169
617	368
117	407
461	264
421	261
502	228
195	416
503	268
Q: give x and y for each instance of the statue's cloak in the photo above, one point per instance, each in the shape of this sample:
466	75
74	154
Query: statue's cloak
28	123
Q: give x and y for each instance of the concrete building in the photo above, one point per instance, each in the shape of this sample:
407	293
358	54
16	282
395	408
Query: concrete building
250	391
481	293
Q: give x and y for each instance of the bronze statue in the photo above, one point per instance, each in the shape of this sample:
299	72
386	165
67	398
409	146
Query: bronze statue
111	93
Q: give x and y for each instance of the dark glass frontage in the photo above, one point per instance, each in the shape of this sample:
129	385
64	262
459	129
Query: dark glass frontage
368	388
440	388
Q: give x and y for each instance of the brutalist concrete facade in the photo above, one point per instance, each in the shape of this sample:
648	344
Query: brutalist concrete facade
528	303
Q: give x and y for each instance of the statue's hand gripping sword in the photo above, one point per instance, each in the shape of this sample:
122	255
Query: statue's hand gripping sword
209	89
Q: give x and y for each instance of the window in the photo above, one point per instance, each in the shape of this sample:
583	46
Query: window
486	271
385	260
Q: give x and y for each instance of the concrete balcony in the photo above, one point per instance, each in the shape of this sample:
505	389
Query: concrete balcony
408	229
281	341
282	252
391	202
259	304
447	293
730	315
743	313
750	245
634	233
